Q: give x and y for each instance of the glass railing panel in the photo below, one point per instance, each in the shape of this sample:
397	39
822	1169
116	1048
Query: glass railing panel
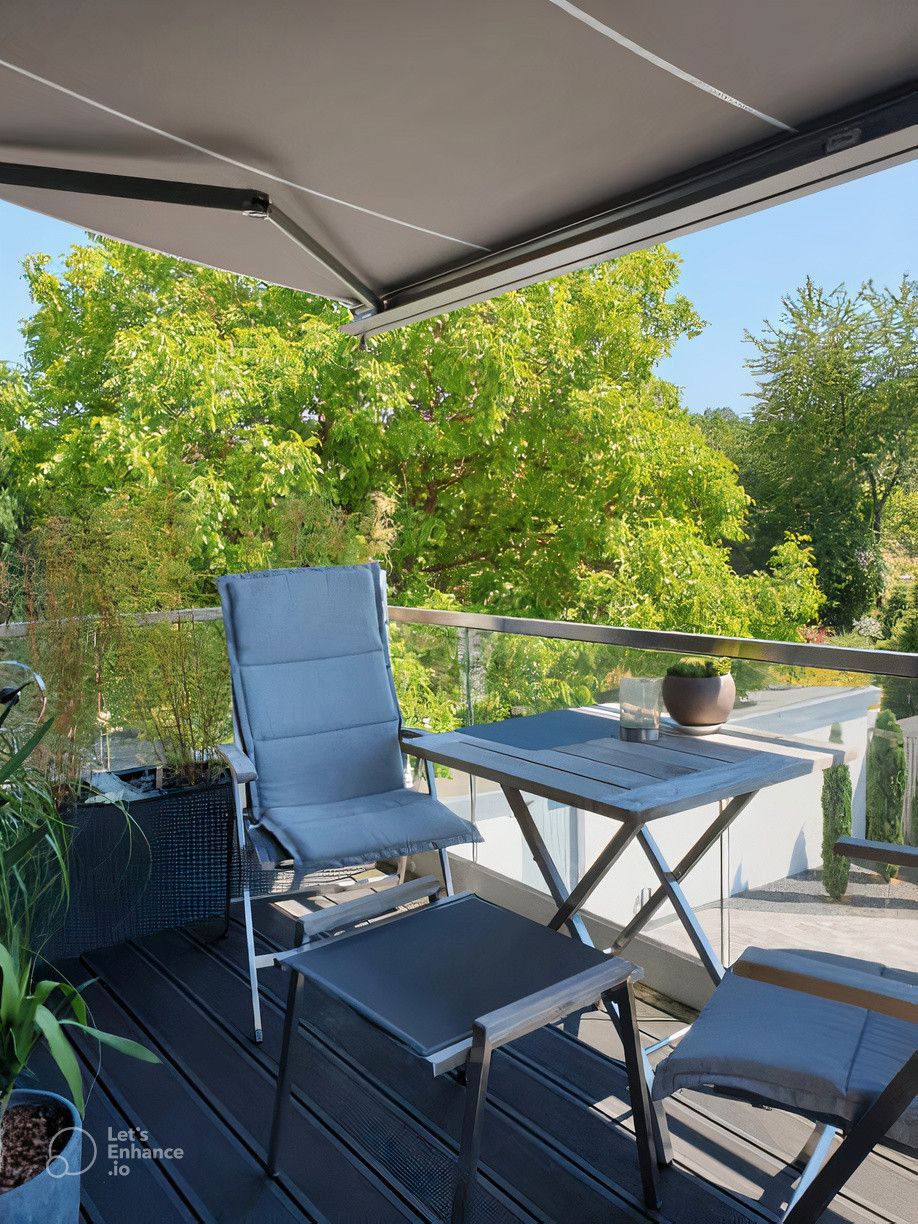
767	881
786	887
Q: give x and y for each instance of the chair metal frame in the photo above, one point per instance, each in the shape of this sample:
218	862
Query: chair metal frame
242	772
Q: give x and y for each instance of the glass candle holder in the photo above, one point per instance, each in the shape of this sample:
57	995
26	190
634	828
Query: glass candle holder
639	699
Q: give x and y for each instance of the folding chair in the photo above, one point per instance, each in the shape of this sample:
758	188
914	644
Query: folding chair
317	725
832	1038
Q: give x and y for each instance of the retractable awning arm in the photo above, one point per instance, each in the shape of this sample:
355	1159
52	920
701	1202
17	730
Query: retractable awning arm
244	201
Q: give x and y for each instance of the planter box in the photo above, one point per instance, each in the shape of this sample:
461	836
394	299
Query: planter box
162	868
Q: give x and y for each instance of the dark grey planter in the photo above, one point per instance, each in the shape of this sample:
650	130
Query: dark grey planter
699	701
53	1197
163	867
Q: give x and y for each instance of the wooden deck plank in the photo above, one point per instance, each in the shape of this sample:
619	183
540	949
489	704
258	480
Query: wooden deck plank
153	1198
714	1140
373	1135
216	1172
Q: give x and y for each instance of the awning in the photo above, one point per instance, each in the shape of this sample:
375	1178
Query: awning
410	156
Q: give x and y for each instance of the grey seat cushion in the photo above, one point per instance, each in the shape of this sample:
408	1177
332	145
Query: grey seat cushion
317	712
366	828
822	1059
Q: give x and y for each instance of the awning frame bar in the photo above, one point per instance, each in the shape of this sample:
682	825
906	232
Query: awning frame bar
248	202
812	152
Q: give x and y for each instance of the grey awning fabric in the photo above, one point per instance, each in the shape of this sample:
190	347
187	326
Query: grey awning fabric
420	154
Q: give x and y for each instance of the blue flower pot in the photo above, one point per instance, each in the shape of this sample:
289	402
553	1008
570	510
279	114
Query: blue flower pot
53	1197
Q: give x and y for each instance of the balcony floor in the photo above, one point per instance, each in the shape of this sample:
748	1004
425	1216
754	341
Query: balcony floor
373	1135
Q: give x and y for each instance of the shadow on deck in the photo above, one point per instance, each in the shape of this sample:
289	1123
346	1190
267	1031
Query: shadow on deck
373	1137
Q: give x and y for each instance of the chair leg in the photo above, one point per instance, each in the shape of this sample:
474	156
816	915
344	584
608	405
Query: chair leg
812	1156
859	1143
477	1069
284	1073
230	844
250	953
646	1128
447	874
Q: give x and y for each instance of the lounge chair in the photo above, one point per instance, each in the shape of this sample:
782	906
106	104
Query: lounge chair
832	1038
317	724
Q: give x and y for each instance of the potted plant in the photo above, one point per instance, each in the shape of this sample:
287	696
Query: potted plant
149	843
40	1135
699	693
166	864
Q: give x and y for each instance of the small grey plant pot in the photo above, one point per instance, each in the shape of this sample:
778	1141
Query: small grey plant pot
699	701
53	1197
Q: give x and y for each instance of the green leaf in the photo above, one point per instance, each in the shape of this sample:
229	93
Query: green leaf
24	847
124	1045
62	1053
21	755
12	991
75	999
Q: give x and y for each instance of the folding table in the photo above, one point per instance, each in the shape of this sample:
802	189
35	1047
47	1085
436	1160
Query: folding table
455	980
576	758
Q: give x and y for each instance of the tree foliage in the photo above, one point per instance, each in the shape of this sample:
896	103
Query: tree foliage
519	455
885	784
831	444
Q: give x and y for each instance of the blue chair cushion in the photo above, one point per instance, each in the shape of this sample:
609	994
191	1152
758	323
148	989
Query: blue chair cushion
317	712
825	1060
312	683
361	830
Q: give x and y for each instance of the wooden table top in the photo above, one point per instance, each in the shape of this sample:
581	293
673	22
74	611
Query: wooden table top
576	757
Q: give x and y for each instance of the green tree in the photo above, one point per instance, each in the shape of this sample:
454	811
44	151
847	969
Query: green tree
834	430
525	455
885	784
836	823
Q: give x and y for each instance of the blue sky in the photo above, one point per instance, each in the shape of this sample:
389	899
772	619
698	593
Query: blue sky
736	274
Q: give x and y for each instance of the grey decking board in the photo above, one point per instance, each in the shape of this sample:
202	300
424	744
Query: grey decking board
216	1174
237	1002
717	1123
102	1197
536	1106
885	1184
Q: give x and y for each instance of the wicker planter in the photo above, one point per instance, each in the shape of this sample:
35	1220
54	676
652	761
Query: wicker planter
699	701
162	868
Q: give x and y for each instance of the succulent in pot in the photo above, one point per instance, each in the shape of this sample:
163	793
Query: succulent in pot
699	693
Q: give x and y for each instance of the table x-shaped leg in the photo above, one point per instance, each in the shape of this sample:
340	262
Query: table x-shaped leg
670	887
550	874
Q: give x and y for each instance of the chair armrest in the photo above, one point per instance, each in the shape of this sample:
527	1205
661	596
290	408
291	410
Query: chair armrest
555	1002
877	852
240	766
407	734
828	981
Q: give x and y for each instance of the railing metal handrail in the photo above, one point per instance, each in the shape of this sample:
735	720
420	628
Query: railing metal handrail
760	650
